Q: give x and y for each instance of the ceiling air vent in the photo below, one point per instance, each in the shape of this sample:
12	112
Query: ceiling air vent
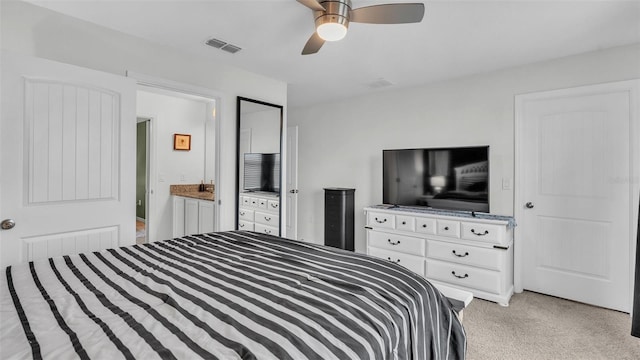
219	44
230	48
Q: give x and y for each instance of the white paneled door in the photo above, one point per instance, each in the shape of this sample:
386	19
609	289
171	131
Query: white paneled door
575	205
67	157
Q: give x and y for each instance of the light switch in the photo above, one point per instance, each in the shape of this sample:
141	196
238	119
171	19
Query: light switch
506	183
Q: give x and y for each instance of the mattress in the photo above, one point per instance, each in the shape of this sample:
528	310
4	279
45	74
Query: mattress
228	295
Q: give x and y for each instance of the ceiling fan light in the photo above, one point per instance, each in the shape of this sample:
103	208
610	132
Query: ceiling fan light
332	31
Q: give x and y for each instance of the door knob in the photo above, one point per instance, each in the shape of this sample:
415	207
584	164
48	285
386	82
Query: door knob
529	205
7	224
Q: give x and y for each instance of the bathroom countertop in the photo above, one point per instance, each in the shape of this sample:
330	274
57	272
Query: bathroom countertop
191	191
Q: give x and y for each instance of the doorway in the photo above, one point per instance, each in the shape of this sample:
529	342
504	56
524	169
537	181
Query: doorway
576	206
170	169
142	178
158	179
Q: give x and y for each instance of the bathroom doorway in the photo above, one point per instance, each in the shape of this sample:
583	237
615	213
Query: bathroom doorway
171	169
142	178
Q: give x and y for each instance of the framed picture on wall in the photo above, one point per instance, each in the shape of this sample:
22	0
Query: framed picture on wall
181	142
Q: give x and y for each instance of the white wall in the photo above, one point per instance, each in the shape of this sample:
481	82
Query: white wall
173	115
31	30
341	143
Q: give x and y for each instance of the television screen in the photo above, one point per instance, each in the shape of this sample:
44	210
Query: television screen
262	172
447	178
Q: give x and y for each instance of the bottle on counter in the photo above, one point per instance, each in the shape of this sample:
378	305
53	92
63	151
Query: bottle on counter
201	187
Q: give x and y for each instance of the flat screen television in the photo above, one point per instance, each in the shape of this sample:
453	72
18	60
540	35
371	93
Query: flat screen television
443	178
262	172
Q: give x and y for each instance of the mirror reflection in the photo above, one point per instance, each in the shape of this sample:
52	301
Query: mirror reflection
259	180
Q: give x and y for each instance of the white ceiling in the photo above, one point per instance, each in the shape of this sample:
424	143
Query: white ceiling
456	38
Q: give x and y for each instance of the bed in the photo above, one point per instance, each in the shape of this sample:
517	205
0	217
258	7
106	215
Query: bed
227	295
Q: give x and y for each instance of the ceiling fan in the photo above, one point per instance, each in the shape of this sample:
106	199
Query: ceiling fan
332	18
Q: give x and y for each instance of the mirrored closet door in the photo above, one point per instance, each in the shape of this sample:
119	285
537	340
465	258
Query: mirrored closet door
258	168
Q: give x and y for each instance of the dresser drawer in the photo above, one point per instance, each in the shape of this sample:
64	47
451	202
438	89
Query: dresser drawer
381	220
483	232
405	223
395	242
411	262
467	255
426	225
245	225
245	214
267	219
246	201
262	203
467	276
265	229
274	205
448	228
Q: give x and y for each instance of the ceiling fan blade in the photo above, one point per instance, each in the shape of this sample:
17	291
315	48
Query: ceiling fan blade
312	4
314	44
388	14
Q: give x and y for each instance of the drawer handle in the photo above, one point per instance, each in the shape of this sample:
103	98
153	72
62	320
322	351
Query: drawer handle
267	231
381	221
486	232
446	228
275	206
267	218
424	226
458	276
241	225
404	223
393	243
397	261
458	255
241	213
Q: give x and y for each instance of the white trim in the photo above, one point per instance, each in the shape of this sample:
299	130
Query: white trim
517	194
295	130
634	183
283	175
160	83
631	86
284	170
170	85
218	145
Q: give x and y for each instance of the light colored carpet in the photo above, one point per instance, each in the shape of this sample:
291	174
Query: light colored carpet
141	237
537	326
141	234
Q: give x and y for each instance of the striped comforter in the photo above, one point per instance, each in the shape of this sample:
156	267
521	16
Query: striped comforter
228	295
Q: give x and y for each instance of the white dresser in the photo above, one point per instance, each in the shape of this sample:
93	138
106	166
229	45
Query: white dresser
259	212
448	248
